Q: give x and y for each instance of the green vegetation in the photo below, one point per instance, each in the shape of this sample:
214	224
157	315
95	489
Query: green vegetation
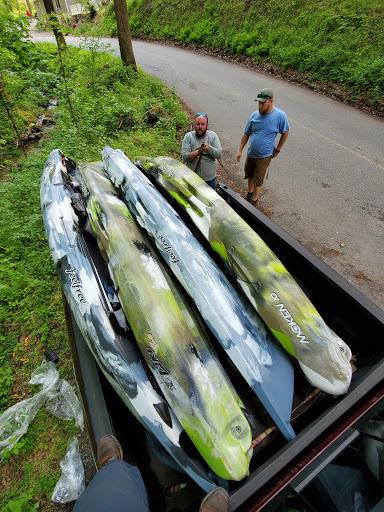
341	43
111	105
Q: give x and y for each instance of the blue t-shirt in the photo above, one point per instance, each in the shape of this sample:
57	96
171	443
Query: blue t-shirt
262	131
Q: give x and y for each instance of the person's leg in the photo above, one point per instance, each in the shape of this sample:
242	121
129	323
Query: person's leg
117	487
250	186
212	183
256	193
261	166
249	169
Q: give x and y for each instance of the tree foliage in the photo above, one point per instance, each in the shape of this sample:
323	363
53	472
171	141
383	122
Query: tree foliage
340	43
17	55
14	45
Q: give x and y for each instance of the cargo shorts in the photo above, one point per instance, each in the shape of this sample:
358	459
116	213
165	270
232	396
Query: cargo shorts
256	168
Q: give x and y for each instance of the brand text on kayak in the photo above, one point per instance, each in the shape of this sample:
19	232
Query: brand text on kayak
159	367
76	284
288	317
168	249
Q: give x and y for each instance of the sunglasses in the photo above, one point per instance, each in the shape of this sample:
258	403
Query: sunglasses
264	96
201	114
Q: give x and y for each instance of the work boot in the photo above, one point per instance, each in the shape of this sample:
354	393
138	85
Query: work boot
215	501
248	197
108	449
253	202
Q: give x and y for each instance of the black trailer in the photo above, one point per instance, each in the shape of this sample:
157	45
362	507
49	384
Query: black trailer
331	431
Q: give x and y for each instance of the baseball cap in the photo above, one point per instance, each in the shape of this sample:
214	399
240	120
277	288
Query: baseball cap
265	94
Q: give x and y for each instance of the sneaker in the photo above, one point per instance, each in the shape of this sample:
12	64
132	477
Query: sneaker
253	203
108	448
248	197
215	501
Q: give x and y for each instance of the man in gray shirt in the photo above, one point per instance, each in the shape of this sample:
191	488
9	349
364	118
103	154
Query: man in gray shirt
201	149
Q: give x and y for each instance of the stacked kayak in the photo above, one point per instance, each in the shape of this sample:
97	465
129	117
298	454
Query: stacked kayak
248	344
272	291
97	311
170	339
150	301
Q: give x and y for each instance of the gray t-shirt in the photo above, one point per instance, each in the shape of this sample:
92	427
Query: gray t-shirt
208	164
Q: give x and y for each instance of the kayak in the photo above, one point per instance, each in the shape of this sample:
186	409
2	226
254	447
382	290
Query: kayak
323	357
96	308
173	344
253	350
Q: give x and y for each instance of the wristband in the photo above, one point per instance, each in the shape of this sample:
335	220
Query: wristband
277	150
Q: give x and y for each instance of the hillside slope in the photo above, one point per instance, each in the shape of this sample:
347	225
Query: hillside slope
338	46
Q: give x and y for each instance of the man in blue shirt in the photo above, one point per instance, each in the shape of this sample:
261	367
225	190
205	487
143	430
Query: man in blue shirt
261	131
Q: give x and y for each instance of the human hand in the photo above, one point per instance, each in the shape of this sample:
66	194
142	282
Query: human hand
238	156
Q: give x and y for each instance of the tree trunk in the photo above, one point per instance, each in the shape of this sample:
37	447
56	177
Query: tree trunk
60	39
124	33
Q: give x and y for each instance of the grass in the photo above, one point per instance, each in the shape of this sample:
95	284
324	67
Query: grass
114	106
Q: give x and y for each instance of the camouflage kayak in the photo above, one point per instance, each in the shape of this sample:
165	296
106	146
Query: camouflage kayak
323	356
257	356
171	341
98	313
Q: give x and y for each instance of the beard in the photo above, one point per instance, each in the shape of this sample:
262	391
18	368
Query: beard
200	133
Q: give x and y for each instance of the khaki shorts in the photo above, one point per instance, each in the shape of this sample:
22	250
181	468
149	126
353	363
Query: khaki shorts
256	168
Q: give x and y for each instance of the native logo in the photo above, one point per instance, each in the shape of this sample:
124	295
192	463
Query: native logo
152	341
288	317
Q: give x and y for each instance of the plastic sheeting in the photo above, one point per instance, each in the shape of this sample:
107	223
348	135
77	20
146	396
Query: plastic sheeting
61	401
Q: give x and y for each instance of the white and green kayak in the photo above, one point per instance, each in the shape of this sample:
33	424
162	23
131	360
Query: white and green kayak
255	353
287	311
171	340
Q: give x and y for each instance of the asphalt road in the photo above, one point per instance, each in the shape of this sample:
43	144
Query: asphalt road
326	187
